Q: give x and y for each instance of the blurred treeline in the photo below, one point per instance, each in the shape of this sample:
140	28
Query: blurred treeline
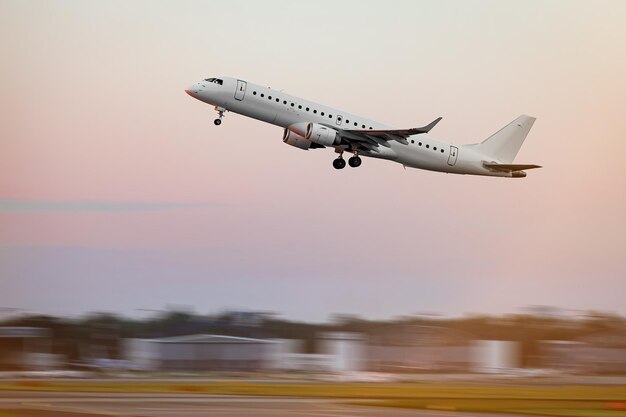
74	338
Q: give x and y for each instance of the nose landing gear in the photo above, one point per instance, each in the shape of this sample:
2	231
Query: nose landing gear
220	112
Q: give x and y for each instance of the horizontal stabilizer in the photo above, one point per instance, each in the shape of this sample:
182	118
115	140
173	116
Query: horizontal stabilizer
509	167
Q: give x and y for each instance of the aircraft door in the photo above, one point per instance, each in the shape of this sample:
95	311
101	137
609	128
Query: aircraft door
240	92
339	119
454	152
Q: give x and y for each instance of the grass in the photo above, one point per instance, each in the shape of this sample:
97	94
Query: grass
543	407
558	401
574	413
327	390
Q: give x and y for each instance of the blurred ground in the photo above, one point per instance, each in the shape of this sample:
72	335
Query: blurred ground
83	405
231	397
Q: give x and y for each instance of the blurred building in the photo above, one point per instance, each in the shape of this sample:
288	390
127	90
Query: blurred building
336	352
200	353
394	349
413	348
346	351
340	352
494	356
26	348
602	353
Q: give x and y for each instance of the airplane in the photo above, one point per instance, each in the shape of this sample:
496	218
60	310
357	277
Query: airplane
308	125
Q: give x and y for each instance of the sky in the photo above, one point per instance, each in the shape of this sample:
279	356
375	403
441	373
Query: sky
117	192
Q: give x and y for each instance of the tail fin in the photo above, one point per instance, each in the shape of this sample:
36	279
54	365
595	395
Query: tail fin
506	142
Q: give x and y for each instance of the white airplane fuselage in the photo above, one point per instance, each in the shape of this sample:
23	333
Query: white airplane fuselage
275	107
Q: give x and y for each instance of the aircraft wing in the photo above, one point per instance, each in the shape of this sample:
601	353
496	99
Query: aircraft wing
509	167
391	134
369	139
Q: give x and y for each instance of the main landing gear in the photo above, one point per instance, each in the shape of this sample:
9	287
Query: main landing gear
340	163
354	162
220	112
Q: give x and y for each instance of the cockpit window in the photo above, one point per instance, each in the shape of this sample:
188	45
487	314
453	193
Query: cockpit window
214	80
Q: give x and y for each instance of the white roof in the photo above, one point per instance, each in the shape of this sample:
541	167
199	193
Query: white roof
210	338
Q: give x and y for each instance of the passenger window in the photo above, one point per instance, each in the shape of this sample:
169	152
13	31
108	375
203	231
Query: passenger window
307	109
412	141
299	107
315	111
419	144
363	126
347	121
277	100
262	95
292	104
355	123
254	93
322	113
434	148
285	102
427	146
270	97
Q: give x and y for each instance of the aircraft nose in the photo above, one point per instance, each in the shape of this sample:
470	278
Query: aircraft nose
193	90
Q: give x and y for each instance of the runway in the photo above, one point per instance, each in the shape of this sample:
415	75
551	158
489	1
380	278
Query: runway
33	404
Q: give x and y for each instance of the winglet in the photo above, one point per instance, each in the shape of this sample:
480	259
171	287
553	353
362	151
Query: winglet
429	126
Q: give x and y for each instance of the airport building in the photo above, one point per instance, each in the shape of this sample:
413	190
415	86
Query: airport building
602	353
201	352
339	352
412	348
26	349
336	352
494	356
395	349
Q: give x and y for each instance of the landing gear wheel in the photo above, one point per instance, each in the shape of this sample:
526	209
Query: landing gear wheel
220	114
354	162
339	163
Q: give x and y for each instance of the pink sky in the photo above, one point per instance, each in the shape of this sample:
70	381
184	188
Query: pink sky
117	192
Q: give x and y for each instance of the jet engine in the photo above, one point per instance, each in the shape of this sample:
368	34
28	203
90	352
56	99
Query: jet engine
293	139
322	135
299	128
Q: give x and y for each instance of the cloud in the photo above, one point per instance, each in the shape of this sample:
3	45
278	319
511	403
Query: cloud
35	206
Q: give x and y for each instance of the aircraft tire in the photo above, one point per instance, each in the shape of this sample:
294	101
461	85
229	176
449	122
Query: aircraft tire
339	163
354	162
